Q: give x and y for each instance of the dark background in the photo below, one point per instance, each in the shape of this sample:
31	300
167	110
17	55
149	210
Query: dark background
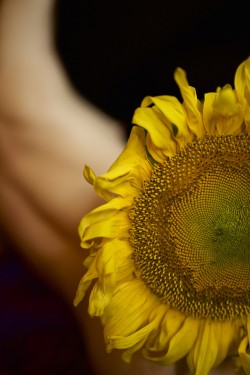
117	52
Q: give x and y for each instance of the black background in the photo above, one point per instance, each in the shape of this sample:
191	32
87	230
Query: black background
117	52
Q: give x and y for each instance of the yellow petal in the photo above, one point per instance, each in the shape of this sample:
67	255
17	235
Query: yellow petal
180	344
127	355
222	115
136	340
244	356
242	88
106	221
123	342
244	349
173	113
208	110
108	265
106	268
128	310
86	280
117	226
111	256
126	176
161	140
170	325
242	80
212	346
192	105
225	101
228	112
101	295
89	175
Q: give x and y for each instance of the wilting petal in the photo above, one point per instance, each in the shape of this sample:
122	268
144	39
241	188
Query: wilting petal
212	346
192	105
244	349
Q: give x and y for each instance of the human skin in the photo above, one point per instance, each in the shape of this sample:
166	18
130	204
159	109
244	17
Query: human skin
47	134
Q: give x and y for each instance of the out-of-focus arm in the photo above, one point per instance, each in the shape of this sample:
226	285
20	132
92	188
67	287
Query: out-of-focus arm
47	134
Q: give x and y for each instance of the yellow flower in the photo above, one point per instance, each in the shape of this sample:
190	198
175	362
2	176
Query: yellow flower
170	250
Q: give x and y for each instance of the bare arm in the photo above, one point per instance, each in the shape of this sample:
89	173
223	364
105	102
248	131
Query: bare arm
47	133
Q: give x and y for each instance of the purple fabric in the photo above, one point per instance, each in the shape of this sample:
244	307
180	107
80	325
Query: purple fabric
38	334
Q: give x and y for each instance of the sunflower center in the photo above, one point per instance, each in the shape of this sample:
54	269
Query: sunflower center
190	228
213	229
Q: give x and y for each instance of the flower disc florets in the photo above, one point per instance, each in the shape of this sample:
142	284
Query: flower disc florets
190	228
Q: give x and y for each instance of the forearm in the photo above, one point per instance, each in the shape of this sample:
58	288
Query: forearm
47	134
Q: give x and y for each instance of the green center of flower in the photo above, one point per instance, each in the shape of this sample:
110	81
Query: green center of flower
190	228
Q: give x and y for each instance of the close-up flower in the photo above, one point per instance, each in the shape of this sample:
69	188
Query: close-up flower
169	253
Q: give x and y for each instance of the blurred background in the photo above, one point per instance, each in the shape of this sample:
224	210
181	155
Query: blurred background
114	53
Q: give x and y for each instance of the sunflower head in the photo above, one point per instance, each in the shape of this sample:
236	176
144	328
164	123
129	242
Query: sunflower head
170	250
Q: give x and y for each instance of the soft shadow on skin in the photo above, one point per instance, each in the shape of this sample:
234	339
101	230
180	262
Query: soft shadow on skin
142	366
226	368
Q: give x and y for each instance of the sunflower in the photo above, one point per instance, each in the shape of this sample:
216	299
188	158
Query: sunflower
169	252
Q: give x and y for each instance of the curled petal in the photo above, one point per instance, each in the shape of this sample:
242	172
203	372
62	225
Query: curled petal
212	346
86	279
172	113
242	80
161	142
105	221
242	87
170	325
244	355
244	349
139	338
127	313
191	104
89	175
180	344
132	165
222	114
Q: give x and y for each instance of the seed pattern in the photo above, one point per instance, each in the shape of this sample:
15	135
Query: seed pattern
190	228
